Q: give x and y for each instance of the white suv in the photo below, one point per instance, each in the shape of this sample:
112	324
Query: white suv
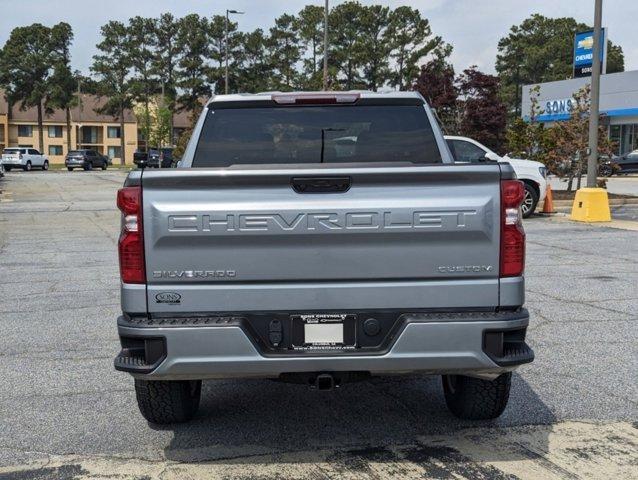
532	174
24	158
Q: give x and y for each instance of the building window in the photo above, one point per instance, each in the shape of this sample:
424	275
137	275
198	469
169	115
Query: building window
25	146
55	131
114	152
113	132
90	135
25	130
55	149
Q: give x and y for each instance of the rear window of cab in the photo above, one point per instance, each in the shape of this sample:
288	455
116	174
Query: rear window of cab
316	134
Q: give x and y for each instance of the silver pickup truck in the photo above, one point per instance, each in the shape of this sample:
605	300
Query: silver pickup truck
321	238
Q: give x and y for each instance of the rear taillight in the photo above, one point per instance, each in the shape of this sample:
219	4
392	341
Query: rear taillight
512	233
131	243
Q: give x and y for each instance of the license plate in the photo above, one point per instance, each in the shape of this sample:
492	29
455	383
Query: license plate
330	331
323	333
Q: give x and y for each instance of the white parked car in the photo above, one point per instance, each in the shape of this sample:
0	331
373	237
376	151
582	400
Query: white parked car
24	158
532	174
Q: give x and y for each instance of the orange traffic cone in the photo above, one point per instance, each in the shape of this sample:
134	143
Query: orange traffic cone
548	204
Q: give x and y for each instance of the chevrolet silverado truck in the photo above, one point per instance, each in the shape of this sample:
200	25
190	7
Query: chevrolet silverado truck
321	238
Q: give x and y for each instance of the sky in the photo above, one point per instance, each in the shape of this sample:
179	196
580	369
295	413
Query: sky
473	27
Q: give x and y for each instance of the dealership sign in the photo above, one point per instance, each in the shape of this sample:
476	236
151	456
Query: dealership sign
584	52
559	107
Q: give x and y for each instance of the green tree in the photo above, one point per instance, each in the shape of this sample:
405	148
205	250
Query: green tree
166	59
569	140
141	44
26	69
346	43
255	73
217	37
194	73
157	130
310	30
285	52
375	45
63	82
530	139
538	50
112	66
411	40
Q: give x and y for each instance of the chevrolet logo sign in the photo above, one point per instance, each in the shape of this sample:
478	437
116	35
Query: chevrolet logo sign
586	43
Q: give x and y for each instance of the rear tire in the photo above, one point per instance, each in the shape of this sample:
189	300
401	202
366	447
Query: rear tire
164	402
88	166
472	398
28	166
69	169
530	201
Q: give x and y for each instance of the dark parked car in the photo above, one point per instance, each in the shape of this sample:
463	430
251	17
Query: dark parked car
85	159
627	163
155	157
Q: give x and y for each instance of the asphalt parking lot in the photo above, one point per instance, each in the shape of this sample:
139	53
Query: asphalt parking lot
65	413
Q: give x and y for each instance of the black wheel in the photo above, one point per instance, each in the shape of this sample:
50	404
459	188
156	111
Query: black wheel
88	166
69	169
164	402
530	200
8	169
605	171
104	165
28	166
45	165
471	398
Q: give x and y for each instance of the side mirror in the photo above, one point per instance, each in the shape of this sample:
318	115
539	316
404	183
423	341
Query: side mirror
492	157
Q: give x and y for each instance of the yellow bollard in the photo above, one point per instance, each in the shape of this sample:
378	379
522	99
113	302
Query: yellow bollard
591	205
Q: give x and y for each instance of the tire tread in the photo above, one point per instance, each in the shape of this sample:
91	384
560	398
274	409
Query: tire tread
477	399
165	402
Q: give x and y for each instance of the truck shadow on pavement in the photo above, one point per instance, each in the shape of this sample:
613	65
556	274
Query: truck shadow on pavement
359	422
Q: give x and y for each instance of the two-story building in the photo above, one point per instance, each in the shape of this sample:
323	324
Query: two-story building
89	129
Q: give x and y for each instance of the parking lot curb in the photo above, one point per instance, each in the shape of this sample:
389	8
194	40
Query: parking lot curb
563	217
613	202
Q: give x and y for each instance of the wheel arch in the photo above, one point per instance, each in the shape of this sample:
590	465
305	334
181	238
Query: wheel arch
533	184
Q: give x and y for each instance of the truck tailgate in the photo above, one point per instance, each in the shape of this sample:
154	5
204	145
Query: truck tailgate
400	237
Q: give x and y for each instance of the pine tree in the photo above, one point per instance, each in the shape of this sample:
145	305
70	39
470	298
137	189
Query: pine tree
112	67
63	81
26	68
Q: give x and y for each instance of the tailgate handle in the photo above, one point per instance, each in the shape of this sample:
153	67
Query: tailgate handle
321	184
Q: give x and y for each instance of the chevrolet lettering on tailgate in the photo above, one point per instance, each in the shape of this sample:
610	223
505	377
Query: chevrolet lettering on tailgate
309	222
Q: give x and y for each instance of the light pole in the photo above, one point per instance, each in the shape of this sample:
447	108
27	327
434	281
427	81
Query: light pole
325	47
592	161
79	120
518	81
235	12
